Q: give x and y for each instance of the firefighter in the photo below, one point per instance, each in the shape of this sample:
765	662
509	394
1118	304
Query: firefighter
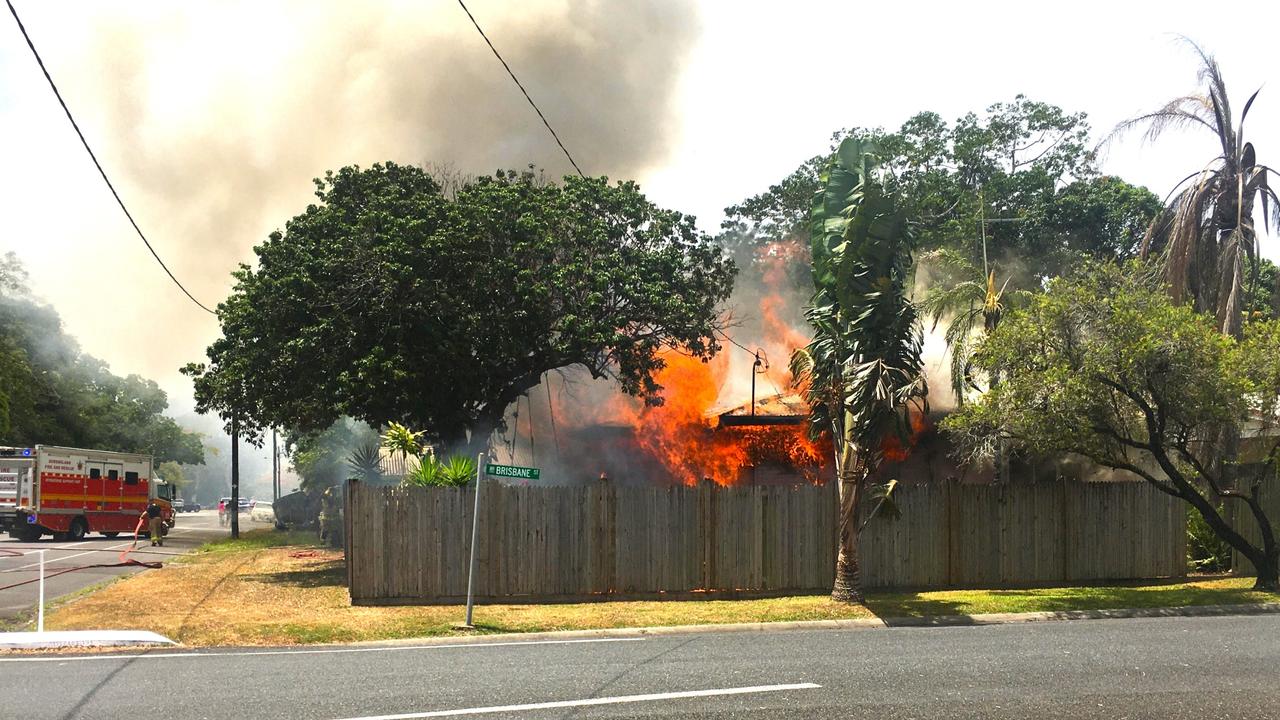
331	517
155	522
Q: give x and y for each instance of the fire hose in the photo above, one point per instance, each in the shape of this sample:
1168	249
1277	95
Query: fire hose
125	561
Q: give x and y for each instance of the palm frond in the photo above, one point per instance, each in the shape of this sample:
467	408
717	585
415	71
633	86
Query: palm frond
365	463
1179	113
1231	286
1245	113
943	300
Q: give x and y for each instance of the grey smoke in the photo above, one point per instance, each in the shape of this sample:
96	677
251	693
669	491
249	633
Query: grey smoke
214	119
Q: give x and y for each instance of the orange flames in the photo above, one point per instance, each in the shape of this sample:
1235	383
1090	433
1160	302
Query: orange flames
677	433
891	446
682	434
780	334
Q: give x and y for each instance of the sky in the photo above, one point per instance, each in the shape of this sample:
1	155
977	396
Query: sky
213	118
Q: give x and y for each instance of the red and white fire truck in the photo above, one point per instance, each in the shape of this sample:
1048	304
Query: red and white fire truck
70	492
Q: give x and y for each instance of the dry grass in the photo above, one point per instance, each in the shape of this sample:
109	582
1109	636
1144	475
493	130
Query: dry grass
254	594
257	592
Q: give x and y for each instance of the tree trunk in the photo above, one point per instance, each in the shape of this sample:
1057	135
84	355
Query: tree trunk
1268	575
479	440
1265	559
848	582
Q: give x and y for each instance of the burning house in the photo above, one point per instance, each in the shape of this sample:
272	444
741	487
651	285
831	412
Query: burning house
689	438
732	420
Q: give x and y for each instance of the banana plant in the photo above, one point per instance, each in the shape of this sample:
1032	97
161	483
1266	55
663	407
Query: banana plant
862	373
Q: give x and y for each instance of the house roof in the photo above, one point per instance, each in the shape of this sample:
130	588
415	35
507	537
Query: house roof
780	409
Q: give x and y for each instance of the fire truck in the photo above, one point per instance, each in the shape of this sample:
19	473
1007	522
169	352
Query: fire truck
70	492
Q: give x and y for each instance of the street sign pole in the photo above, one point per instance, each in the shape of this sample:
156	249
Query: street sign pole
40	620
475	531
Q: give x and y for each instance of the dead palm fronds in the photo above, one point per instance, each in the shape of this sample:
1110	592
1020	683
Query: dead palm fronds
1206	229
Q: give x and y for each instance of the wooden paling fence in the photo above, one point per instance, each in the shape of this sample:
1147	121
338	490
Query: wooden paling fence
411	545
1240	517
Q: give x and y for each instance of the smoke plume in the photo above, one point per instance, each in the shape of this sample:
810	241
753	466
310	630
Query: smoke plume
215	118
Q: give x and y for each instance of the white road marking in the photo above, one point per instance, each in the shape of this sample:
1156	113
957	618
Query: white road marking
317	651
68	557
32	550
617	700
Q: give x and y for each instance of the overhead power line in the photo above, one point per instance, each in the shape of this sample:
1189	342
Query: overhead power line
13	11
519	85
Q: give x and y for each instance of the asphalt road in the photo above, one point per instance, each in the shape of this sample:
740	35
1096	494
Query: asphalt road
1220	667
192	530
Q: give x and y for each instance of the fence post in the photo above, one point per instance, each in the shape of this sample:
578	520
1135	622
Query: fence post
348	539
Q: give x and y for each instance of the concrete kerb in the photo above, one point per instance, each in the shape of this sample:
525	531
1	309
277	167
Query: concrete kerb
81	639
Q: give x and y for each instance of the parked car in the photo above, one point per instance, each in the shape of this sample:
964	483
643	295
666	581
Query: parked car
262	512
193	507
179	505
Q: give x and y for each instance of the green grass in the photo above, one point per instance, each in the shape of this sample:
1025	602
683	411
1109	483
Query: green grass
260	539
1217	591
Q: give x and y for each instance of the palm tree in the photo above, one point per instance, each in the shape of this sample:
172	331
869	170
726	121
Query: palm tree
971	303
863	369
1206	228
365	463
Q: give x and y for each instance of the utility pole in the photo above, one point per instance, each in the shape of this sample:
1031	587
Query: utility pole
755	370
235	479
275	470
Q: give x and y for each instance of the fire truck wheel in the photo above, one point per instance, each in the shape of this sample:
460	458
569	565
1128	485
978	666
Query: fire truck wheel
77	531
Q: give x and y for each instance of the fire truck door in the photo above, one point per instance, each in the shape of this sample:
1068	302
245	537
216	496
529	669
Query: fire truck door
93	486
113	487
8	489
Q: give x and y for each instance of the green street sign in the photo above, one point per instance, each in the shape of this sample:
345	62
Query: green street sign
512	471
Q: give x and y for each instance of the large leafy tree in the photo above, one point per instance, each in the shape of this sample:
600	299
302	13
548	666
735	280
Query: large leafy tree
53	393
1206	235
863	367
1020	174
390	300
1105	366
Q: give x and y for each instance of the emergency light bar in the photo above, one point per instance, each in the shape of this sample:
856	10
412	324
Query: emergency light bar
15	452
